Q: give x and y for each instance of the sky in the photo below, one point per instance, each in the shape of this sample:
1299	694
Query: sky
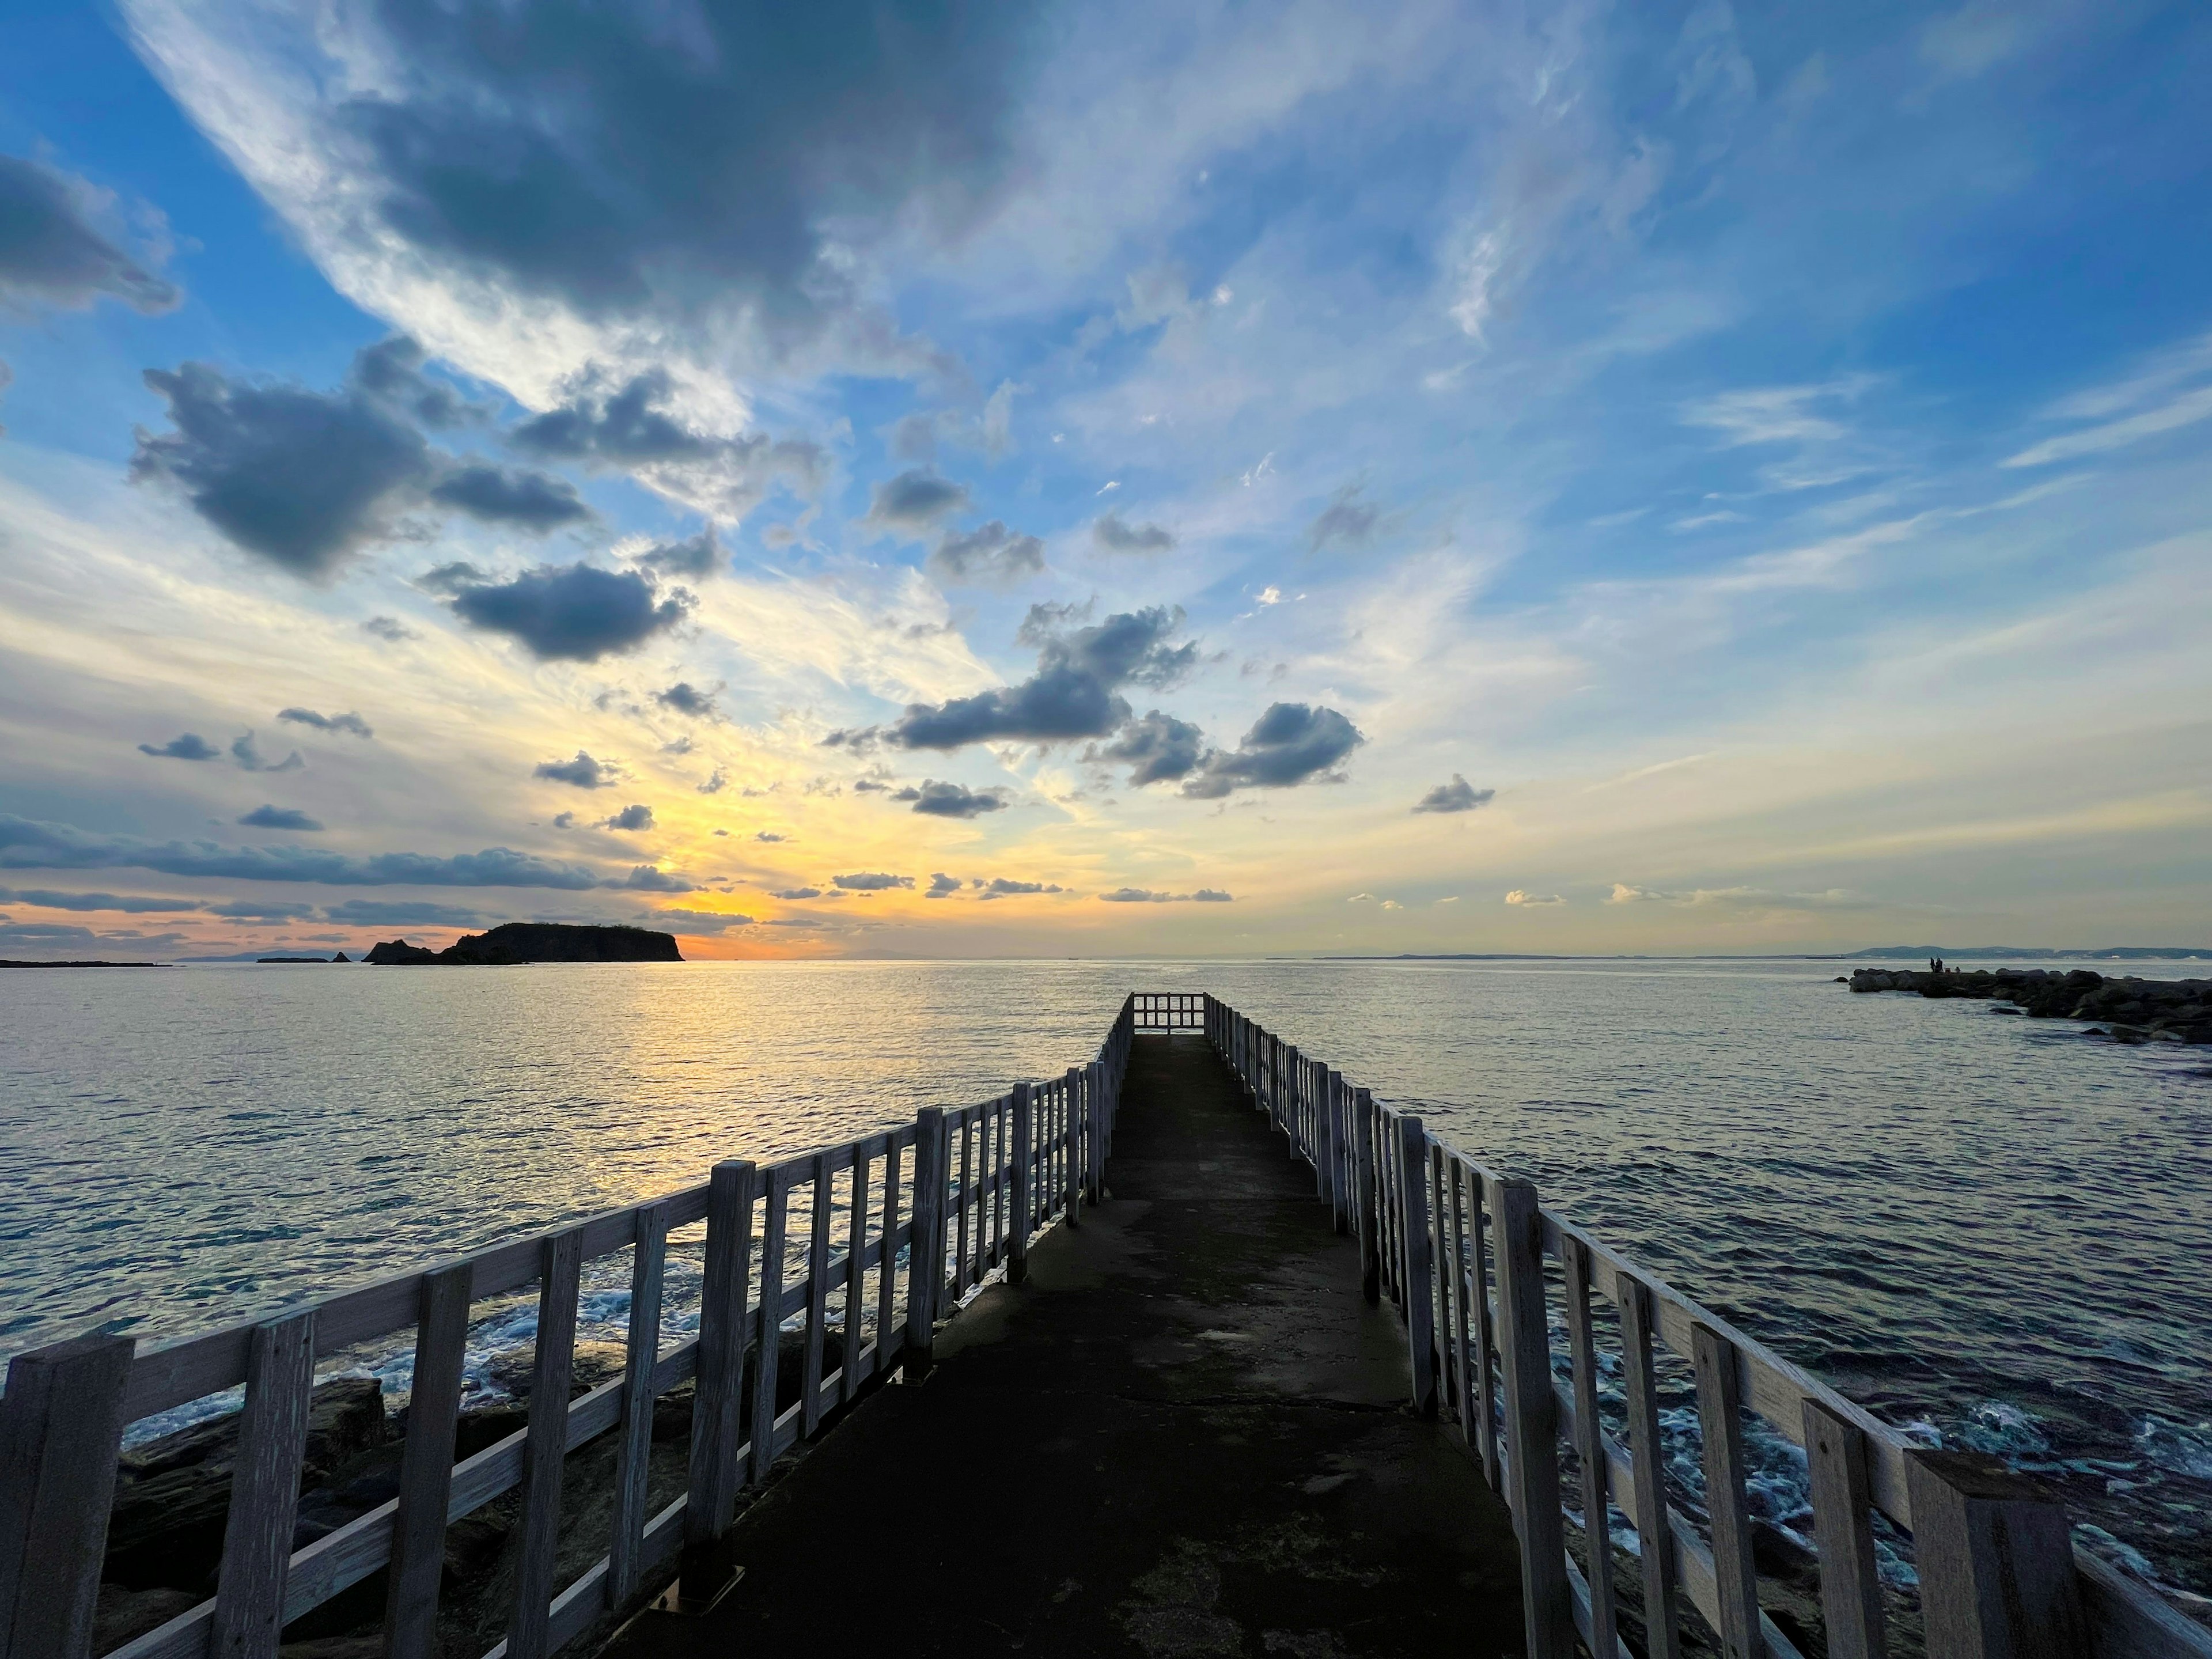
972	480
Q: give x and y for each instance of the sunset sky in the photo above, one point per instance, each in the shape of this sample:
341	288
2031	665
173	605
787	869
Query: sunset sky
862	480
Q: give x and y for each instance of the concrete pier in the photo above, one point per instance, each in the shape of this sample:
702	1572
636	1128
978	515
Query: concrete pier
1186	1435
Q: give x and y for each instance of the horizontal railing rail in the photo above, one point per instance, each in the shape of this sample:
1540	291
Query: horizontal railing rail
898	1227
1476	1266
1169	1010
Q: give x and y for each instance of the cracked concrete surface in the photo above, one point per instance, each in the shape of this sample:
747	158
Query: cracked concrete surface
1186	1437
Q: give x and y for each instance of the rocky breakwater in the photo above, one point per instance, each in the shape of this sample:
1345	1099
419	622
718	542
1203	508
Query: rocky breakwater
534	941
165	1532
2163	1009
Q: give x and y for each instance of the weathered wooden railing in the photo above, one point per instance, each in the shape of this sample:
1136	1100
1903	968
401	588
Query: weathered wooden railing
938	1204
1461	1250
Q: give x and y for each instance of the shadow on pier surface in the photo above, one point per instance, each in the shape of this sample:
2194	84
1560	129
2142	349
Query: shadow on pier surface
1186	1435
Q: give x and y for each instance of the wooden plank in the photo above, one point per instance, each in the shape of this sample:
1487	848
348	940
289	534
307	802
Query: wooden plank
1662	1616
925	1271
61	1427
1484	1344
2125	1618
1850	1578
1531	1421
264	1489
1444	1269
1996	1560
960	1257
1590	1450
640	1361
545	1445
1024	1207
716	1430
426	1467
856	1269
1071	1157
1720	1421
818	1296
1420	1296
887	1259
1369	1183
774	1310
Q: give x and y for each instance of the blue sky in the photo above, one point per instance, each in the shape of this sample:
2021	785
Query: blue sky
1424	478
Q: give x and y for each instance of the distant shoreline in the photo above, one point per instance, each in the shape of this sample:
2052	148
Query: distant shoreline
1878	953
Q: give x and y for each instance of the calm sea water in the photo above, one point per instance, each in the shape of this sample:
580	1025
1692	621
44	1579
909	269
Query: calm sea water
1992	1228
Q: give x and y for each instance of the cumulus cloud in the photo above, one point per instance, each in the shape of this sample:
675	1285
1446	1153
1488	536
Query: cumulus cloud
127	903
188	746
701	921
644	879
915	502
686	698
989	555
348	723
696	556
716	782
248	757
502	494
1116	535
1158	748
1457	796
1146	896
1074	693
952	800
584	772
1290	745
1521	895
54	247
797	893
573	612
30	843
1000	887
869	881
279	818
1347	521
634	816
942	885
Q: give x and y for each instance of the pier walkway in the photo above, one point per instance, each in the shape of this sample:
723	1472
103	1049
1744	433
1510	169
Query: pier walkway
1187	1434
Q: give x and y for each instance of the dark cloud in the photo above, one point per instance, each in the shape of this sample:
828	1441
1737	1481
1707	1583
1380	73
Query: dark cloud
128	904
632	428
584	772
869	881
1146	896
716	782
247	755
942	885
388	913
190	746
701	921
991	554
564	820
1046	621
915	502
390	630
1347	520
1457	796
1158	748
798	893
998	887
279	818
644	879
634	816
696	556
1116	535
1290	744
305	479
792	921
1211	895
769	834
31	844
248	910
82	941
352	723
451	578
953	800
52	250
1074	693
630	166
535	501
391	370
872	786
686	698
573	612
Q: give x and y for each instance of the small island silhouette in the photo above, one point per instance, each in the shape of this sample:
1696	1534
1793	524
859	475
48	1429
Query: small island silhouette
534	941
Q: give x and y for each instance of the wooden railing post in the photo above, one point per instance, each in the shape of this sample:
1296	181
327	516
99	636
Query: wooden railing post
426	1467
545	1446
1095	1151
641	1360
925	1277
1850	1578
1996	1560
1590	1445
1420	1260
1369	1189
1023	1206
1655	1545
1070	1132
1720	1425
716	1430
61	1428
1532	1420
264	1489
1293	1117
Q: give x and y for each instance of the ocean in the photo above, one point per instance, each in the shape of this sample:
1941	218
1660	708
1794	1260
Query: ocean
1990	1231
